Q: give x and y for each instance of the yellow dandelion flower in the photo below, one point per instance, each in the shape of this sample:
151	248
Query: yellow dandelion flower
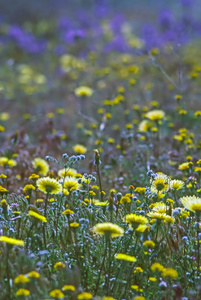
139	298
157	267
192	203
83	91
74	225
68	288
49	185
125	200
160	207
3	190
155	115
125	257
67	172
184	166
176	184
108	298
37	216
29	187
34	176
33	274
22	292
12	163
153	279
142	228
67	212
71	184
140	190
138	270
59	265
170	273
11	241
80	149
144	126
161	216
21	279
108	229
56	294
135	220
84	296
160	183
149	244
40	166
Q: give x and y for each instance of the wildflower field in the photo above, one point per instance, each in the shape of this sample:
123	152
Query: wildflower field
100	150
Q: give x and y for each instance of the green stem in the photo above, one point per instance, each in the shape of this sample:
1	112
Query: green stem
7	271
99	275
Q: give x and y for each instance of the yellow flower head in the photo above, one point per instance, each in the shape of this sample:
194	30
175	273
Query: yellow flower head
176	184
83	91
37	216
108	229
49	185
145	125
159	207
125	257
56	294
67	172
21	279
155	115
192	203
29	187
80	149
125	200
160	183
71	184
84	296
40	166
149	244
170	273
184	166
33	274
67	212
157	267
68	287
11	241
22	292
135	220
59	265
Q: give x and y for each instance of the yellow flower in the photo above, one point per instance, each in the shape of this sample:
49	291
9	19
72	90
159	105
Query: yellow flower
12	163
29	187
155	115
192	203
49	185
22	292
108	229
59	265
56	294
3	190
157	267
170	273
153	279
176	184
160	216
2	128
159	207
83	91
68	288
144	126
33	274
138	270
108	298
3	161
125	199
67	172
184	166
74	225
84	296
139	298
40	166
126	257
149	244
37	216
71	184
160	183
135	220
34	176
67	212
21	279
80	149
140	190
142	228
11	241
